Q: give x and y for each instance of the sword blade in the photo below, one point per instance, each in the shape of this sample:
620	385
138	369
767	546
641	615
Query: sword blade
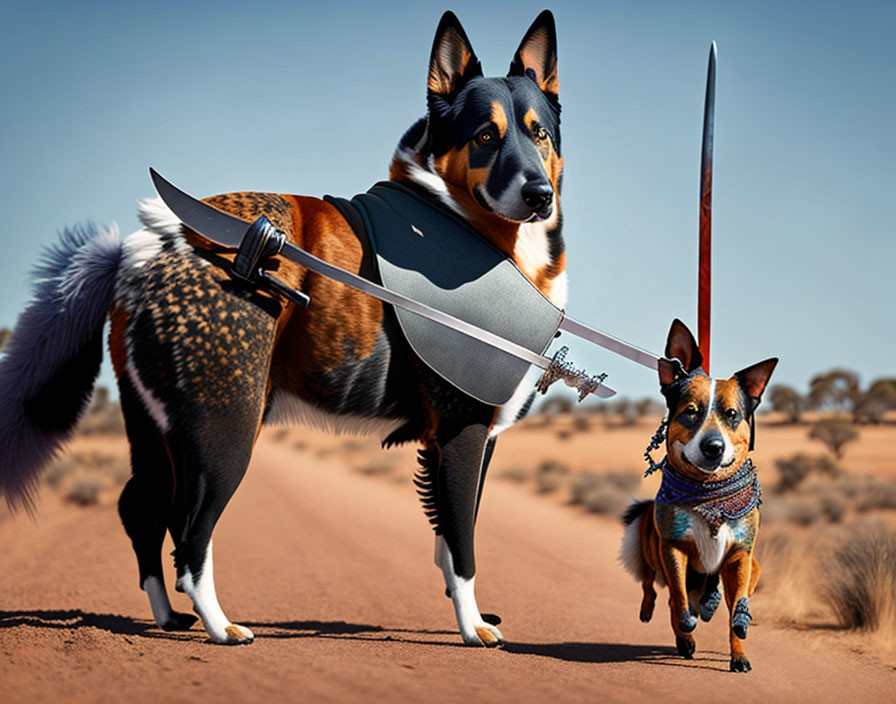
222	228
704	283
205	219
613	344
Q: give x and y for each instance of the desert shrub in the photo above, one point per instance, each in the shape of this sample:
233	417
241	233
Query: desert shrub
550	476
517	475
858	580
603	493
58	471
794	469
833	507
379	465
85	489
834	433
878	494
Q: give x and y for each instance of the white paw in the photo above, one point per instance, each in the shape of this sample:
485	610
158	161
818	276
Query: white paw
234	635
484	634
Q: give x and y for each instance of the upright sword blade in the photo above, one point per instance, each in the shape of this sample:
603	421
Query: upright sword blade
704	283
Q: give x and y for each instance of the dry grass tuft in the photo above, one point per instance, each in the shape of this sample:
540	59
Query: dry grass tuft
858	581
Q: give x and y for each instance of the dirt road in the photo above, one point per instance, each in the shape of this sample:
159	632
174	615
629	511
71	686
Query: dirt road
333	572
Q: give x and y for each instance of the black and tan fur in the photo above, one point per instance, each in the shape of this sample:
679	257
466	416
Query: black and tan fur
708	440
202	363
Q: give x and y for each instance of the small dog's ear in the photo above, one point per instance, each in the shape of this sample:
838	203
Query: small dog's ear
681	345
754	379
452	62
537	56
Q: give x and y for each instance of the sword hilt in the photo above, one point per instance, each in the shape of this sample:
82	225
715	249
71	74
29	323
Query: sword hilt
263	240
561	370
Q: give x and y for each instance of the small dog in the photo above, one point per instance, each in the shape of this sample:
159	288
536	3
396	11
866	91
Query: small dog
201	363
704	521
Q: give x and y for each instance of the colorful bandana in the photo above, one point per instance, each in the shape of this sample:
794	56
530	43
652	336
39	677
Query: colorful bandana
718	502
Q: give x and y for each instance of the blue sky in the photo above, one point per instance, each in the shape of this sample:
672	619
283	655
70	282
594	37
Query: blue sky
312	98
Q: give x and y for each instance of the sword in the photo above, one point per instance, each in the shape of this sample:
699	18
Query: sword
256	241
704	281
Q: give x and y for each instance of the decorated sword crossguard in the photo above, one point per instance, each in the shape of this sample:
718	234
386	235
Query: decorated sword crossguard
561	370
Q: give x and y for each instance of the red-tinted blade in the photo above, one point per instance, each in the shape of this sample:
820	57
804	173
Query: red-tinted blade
704	284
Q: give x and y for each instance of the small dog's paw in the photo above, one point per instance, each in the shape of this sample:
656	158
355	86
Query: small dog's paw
485	635
179	622
645	616
238	635
709	603
740	664
686	647
687	623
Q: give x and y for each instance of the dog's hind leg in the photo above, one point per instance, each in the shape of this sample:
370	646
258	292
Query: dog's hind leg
145	506
214	461
454	470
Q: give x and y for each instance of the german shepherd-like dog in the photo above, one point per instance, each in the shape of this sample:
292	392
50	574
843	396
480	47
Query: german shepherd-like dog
202	363
704	521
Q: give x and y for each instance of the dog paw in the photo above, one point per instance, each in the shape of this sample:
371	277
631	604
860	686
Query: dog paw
687	623
236	635
709	603
645	616
740	664
686	647
741	618
485	635
179	622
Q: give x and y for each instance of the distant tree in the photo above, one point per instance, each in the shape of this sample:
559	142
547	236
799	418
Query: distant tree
834	433
837	389
556	405
786	399
879	398
648	406
5	334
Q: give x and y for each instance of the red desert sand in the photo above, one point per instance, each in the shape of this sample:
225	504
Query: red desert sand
332	569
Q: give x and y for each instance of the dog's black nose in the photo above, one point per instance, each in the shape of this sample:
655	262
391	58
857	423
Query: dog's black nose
712	446
537	195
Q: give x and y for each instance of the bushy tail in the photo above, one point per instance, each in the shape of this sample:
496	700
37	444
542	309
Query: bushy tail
50	364
630	554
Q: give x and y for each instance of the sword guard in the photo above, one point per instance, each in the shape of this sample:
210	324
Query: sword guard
262	240
561	370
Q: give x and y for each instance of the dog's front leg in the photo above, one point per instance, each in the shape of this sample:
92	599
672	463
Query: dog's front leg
737	578
675	565
461	455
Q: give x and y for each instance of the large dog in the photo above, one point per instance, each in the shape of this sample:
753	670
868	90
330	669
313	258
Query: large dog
202	363
705	519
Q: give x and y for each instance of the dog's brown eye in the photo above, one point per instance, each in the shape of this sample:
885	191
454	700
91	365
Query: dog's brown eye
731	413
691	409
541	134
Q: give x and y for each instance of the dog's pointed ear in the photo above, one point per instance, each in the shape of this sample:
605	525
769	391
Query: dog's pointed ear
754	379
681	345
452	62
537	56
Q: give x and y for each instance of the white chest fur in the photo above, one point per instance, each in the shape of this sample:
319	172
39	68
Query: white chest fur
711	549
